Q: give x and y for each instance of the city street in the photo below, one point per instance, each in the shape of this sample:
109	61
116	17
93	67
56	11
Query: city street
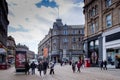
64	73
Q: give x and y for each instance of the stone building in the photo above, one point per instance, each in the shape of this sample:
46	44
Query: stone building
30	54
3	33
11	48
102	30
63	42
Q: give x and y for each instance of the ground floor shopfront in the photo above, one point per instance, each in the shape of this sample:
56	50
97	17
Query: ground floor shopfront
66	55
111	47
93	50
3	57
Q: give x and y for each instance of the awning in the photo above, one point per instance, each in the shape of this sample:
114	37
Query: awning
2	51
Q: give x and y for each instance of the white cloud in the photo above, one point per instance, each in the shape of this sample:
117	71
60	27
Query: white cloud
38	20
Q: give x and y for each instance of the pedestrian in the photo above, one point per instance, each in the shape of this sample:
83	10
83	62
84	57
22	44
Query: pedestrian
27	67
101	65
70	62
73	66
105	65
45	66
33	66
52	64
79	65
40	67
61	62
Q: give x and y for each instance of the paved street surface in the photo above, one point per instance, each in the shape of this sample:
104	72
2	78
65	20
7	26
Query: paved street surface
64	73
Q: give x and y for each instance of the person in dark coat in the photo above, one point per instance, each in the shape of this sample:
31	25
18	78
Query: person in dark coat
101	65
73	66
45	66
40	67
105	65
27	67
33	66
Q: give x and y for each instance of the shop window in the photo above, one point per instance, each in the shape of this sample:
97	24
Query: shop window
91	45
96	43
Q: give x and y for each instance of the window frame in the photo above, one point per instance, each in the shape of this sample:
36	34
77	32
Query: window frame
108	20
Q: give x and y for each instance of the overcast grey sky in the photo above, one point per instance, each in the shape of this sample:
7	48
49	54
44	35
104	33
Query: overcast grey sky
30	20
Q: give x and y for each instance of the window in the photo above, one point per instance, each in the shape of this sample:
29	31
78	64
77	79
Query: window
108	3
96	43
73	39
109	20
65	32
73	31
82	31
65	40
92	28
96	26
89	14
91	45
54	41
73	47
65	46
93	11
96	9
54	32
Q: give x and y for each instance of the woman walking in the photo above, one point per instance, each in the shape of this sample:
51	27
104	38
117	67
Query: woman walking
79	65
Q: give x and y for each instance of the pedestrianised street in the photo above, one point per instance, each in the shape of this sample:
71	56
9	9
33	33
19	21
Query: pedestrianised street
64	73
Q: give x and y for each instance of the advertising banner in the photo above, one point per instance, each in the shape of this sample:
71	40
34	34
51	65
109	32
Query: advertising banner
20	59
45	52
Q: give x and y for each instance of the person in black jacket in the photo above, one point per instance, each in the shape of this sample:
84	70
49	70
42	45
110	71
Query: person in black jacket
45	66
101	65
105	65
33	66
27	67
40	67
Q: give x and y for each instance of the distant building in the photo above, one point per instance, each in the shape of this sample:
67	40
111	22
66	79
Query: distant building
63	42
3	33
30	54
102	30
11	48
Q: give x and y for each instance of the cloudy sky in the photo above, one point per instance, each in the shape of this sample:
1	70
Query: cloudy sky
30	20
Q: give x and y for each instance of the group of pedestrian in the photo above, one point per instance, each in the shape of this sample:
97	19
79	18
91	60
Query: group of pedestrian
42	67
103	65
31	66
78	64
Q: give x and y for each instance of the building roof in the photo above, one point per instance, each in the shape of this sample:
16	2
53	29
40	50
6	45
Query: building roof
76	26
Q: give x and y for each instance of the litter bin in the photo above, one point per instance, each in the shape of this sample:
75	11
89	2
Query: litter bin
87	62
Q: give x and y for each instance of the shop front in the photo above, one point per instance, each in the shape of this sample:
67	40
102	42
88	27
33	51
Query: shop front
93	50
111	47
113	57
3	58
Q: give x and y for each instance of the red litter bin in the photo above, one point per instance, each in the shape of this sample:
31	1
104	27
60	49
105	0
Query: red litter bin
87	62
